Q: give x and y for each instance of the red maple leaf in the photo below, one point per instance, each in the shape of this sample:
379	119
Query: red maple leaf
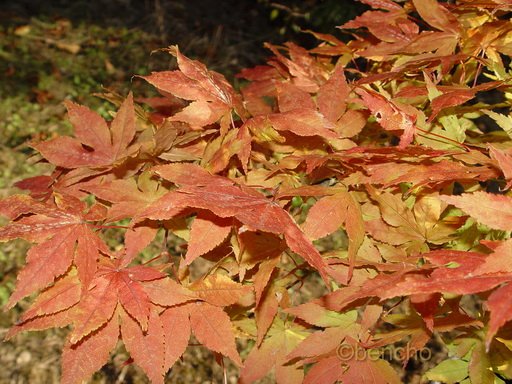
212	98
63	236
250	207
96	145
391	115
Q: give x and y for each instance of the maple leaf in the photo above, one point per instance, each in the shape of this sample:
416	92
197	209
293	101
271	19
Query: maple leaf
467	277
437	15
63	235
167	292
135	240
455	280
81	360
302	67
142	329
97	318
281	339
110	286
145	347
489	209
413	327
63	294
504	160
326	371
189	174
336	88
96	144
401	225
300	125
39	323
434	174
329	213
500	307
253	248
369	371
397	34
330	46
176	326
426	306
499	260
39	187
212	97
84	357
335	350
262	86
470	276
95	309
207	232
210	325
219	290
302	122
266	311
51	307
391	116
270	295
218	153
262	277
456	96
128	197
248	206
290	97
390	27
480	366
503	121
212	328
498	303
331	370
331	363
317	345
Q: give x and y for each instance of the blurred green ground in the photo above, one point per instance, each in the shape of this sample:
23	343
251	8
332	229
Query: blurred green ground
51	51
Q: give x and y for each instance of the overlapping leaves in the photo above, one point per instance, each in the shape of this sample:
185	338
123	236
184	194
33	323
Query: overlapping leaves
362	164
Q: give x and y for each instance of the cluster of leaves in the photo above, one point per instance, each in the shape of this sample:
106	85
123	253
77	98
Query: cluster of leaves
363	166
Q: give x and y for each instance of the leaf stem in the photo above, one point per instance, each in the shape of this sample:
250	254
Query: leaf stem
462	145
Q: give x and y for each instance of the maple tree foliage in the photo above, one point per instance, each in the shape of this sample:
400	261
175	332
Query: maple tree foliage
362	168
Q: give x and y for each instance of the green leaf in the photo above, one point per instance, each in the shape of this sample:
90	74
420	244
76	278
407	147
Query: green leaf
448	371
504	121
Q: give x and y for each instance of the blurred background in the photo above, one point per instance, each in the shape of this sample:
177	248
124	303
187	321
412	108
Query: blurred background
51	51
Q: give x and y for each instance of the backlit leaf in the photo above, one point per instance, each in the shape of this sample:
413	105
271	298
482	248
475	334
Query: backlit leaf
80	361
146	348
207	232
212	328
489	209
